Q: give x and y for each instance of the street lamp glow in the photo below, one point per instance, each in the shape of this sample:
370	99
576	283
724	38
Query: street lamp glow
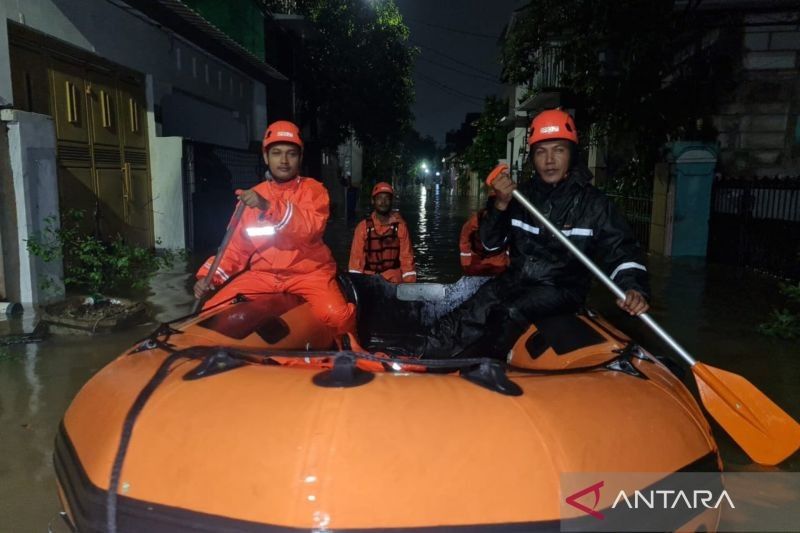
438	173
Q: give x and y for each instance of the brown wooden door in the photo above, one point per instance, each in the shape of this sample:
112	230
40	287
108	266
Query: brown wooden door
139	198
77	185
106	153
98	110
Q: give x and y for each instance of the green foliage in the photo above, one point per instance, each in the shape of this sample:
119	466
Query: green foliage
785	323
400	160
490	139
641	73
94	265
355	74
242	21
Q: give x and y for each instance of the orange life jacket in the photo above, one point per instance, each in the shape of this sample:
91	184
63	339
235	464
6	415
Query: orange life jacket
381	252
476	260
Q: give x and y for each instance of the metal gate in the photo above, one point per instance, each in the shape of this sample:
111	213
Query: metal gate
211	175
638	212
755	223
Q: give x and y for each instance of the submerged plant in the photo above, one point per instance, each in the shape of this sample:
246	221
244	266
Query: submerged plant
785	323
95	265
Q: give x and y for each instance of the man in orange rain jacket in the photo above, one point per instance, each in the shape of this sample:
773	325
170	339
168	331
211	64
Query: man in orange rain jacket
381	243
476	259
277	245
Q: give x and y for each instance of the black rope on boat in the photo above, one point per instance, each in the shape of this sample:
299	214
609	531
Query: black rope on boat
153	340
166	330
125	438
484	372
262	356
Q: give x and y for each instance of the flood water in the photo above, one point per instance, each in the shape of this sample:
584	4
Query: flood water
711	310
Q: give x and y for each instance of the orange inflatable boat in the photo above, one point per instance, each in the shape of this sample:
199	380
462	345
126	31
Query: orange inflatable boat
248	417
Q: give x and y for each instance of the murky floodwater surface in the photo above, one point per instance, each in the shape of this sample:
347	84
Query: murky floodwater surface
712	311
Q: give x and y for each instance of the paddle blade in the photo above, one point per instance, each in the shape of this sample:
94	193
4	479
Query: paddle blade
764	431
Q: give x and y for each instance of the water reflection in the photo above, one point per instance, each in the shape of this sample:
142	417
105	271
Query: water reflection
32	378
434	218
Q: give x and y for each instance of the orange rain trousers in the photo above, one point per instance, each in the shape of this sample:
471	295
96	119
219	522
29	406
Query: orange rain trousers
320	290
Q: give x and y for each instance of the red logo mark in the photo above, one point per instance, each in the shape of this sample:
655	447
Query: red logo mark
594	489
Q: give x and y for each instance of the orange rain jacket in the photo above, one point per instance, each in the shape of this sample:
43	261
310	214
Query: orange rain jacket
475	260
390	244
281	250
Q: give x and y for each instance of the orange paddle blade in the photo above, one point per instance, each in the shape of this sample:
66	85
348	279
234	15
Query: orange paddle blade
764	431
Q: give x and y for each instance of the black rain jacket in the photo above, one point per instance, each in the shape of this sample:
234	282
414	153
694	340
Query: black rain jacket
586	216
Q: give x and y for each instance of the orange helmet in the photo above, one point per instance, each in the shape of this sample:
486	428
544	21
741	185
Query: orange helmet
552	125
382	187
281	131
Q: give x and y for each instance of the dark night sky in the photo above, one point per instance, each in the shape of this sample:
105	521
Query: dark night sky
439	109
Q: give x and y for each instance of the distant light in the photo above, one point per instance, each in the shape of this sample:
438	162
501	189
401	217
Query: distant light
443	160
438	173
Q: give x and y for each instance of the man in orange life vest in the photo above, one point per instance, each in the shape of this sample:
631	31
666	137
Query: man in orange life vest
381	243
277	245
476	260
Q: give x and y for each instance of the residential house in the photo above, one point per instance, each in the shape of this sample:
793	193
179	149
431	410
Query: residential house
461	179
99	98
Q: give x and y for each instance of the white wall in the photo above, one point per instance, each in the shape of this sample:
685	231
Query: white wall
32	150
168	217
351	159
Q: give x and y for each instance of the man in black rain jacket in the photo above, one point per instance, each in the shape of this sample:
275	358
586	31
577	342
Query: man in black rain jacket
544	278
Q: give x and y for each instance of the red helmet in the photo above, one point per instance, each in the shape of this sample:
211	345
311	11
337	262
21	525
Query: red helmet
552	125
382	187
281	131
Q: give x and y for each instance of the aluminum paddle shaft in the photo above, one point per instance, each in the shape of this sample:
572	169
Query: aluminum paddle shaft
764	431
237	215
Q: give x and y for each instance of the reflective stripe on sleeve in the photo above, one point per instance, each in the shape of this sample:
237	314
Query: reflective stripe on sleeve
626	266
260	231
523	226
582	232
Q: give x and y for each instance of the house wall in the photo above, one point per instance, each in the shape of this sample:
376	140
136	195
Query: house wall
517	137
223	106
190	93
759	125
32	156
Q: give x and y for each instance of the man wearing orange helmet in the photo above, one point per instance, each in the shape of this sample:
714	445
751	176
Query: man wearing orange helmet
277	245
543	278
381	242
